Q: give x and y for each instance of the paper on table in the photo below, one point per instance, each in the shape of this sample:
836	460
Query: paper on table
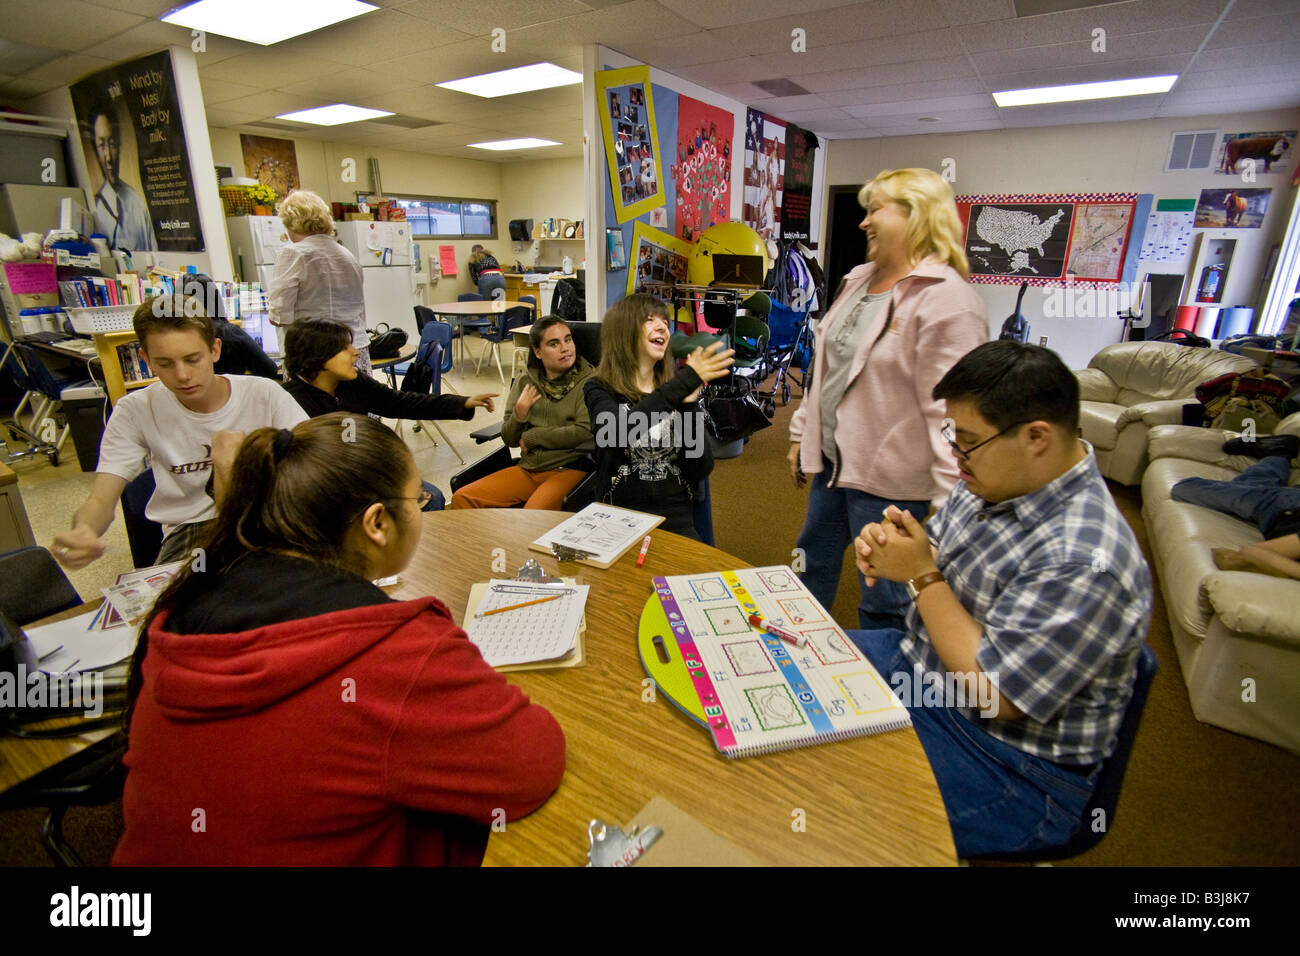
604	530
83	650
541	632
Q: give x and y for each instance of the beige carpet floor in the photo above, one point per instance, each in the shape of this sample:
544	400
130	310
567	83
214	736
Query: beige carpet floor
1194	795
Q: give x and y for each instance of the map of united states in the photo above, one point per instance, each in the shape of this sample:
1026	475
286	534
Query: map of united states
1015	230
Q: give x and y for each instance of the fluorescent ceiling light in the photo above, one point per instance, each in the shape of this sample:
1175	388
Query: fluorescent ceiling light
1137	86
522	79
501	144
257	21
334	115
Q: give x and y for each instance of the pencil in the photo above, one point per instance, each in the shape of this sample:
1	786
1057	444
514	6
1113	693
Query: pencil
515	607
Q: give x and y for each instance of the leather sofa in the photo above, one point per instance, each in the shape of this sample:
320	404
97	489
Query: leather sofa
1237	633
1129	388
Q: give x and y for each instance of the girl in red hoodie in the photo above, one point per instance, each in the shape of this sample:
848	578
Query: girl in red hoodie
285	711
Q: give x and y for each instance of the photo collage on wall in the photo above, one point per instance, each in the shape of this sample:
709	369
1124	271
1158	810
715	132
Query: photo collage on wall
627	119
659	260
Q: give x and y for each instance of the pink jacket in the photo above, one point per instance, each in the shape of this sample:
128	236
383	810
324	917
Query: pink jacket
887	426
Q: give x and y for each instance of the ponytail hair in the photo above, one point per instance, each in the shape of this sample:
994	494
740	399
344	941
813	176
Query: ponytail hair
296	491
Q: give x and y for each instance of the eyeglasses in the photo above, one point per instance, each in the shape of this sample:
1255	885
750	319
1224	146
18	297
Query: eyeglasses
422	499
949	432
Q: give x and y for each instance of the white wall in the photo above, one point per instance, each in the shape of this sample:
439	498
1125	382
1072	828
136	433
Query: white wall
1105	157
543	189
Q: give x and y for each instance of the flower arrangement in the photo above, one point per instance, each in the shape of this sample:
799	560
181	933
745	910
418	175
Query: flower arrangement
263	195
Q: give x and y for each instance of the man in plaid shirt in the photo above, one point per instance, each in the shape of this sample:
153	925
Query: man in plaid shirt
1027	583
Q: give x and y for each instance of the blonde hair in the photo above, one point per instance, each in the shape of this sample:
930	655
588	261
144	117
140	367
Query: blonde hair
306	213
620	340
933	228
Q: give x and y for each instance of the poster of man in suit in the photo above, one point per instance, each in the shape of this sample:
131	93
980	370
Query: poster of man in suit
134	142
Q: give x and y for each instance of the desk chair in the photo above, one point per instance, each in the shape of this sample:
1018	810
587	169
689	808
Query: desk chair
1111	778
33	586
434	353
500	331
42	391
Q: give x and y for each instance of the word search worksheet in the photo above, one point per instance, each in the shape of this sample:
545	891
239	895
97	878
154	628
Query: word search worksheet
758	692
535	630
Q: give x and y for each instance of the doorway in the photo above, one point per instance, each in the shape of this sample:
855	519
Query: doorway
846	244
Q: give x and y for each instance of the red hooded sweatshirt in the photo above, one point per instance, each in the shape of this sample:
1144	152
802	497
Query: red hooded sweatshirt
370	734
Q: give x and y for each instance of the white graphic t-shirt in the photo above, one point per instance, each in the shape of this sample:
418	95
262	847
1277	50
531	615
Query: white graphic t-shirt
151	428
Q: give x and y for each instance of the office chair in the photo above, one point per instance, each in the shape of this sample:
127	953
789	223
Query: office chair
1098	817
33	586
42	391
433	352
500	331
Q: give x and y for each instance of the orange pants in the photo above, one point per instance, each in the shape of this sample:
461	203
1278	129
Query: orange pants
513	486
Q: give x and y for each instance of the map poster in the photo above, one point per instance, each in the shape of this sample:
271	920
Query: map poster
140	179
627	119
764	173
1044	239
703	168
796	203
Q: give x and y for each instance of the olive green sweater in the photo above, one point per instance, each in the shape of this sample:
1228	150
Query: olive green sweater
555	425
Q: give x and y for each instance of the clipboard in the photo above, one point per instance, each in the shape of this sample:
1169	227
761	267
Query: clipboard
576	657
604	532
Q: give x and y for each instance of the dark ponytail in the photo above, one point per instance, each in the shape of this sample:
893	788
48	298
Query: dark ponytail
293	491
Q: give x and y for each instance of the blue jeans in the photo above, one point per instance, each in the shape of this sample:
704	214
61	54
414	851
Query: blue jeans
835	516
438	502
1259	494
489	285
999	799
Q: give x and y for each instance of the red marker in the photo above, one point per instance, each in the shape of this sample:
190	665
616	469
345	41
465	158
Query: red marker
645	548
790	637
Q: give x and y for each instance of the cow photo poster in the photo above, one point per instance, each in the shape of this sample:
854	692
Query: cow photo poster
141	183
1246	154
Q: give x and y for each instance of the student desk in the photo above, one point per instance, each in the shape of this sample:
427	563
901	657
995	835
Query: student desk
405	354
869	800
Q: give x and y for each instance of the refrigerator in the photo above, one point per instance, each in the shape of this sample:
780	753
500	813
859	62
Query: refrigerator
384	251
255	244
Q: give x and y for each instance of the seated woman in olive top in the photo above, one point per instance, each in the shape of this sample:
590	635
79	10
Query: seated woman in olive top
319	361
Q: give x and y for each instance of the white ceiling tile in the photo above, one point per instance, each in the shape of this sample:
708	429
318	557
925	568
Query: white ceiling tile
220	91
865	21
909	92
266	70
221	116
1284	75
1227	58
456	60
944	108
1092	73
976	11
16	91
373	39
481	17
733	13
641	18
154	35
742	70
863	54
1071	26
703	47
806	117
144	8
1137	46
67	69
1244	9
65	24
841	87
1256	30
347	86
272	103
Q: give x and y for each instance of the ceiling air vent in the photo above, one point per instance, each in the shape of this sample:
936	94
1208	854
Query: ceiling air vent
1193	149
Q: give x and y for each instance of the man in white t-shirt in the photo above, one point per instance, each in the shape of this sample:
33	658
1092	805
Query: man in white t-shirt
169	426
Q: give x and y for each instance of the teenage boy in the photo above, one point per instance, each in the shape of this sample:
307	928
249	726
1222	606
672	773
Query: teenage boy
1028	584
169	426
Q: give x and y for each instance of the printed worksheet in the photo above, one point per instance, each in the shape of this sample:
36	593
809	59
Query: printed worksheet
605	532
518	622
762	693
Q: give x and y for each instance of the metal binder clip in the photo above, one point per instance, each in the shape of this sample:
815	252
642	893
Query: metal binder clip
564	553
610	846
532	571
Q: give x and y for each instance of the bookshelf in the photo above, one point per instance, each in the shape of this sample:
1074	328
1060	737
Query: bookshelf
112	347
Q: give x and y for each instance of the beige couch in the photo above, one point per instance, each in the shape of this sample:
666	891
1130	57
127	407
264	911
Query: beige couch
1229	627
1131	387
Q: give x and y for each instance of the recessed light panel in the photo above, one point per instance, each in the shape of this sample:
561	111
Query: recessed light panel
257	21
334	115
502	144
522	79
1137	86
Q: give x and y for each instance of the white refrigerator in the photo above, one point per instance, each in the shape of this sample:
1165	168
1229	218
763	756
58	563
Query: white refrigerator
255	244
384	251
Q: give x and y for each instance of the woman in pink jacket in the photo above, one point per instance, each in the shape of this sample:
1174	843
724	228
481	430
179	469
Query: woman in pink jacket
867	431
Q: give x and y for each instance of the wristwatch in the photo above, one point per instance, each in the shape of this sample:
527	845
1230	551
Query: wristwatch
922	581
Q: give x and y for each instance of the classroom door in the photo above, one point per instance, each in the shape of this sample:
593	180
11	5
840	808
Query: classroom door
846	244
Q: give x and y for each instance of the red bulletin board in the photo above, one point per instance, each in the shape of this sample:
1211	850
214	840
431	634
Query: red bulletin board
1047	238
702	167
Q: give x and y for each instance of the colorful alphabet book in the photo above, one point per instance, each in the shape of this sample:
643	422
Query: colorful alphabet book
755	692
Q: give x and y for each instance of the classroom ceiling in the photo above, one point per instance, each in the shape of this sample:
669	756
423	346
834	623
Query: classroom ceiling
873	68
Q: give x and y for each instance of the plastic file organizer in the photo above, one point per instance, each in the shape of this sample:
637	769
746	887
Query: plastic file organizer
104	318
754	692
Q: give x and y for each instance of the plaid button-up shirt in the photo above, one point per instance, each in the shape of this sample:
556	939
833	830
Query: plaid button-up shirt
1060	586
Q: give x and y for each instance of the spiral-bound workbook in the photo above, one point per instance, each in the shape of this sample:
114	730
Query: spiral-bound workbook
757	692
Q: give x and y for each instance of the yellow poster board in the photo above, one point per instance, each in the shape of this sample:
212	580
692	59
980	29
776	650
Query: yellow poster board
627	119
658	261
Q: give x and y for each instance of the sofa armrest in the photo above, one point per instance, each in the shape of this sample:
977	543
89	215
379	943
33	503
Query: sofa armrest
1194	444
1096	386
1256	604
1151	414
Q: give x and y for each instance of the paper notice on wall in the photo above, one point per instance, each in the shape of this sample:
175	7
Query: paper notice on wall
1168	237
447	260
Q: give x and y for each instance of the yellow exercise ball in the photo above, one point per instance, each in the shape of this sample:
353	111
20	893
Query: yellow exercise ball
731	238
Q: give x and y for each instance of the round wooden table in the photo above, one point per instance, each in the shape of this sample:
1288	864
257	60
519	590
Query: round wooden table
463	310
866	801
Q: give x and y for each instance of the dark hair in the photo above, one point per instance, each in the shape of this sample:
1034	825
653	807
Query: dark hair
172	313
1010	382
102	107
620	337
295	492
535	336
201	286
310	343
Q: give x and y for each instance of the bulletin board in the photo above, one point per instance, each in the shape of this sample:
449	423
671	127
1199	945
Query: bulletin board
702	171
658	261
627	119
